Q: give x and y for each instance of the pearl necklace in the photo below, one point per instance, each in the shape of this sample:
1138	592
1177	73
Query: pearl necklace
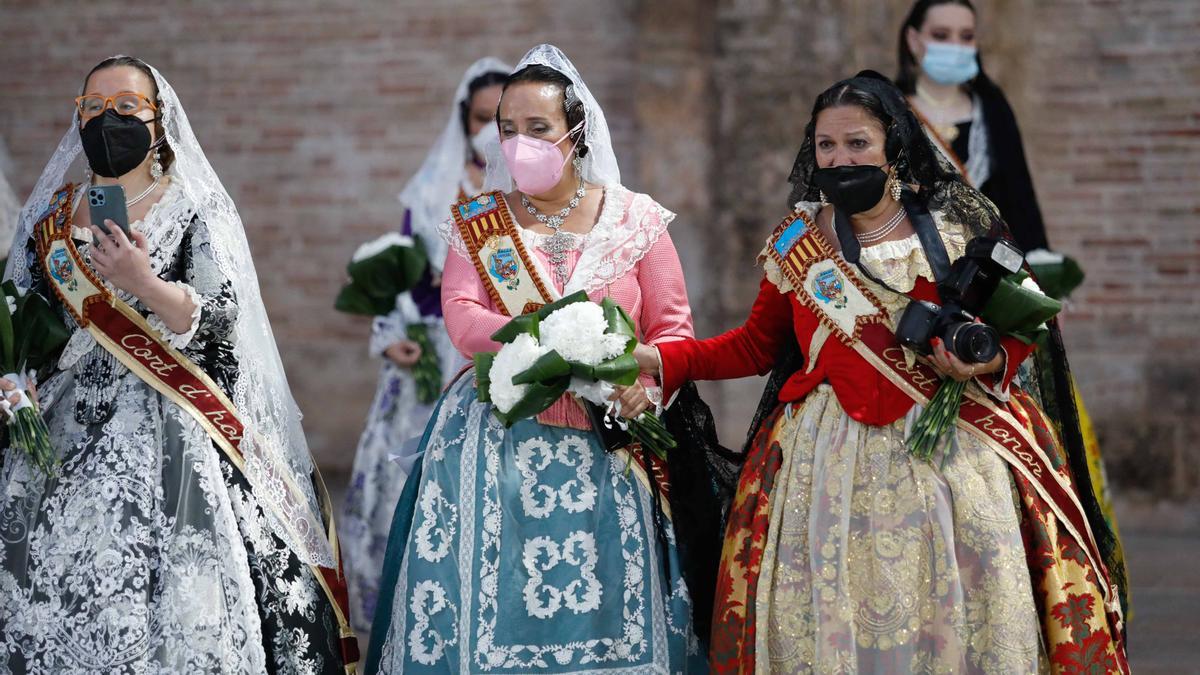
881	233
560	242
141	195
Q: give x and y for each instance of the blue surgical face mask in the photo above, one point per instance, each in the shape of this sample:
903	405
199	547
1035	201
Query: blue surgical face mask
949	64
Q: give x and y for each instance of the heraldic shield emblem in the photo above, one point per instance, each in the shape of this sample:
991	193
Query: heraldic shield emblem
829	288
503	266
62	268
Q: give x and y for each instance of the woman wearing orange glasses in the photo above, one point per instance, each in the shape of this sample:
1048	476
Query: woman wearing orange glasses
181	528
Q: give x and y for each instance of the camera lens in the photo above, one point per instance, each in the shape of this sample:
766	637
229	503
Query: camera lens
972	342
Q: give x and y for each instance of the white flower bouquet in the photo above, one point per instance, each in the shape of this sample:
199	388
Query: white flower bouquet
571	346
31	334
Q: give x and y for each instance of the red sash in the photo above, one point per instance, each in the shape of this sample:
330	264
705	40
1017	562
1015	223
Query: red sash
823	282
125	334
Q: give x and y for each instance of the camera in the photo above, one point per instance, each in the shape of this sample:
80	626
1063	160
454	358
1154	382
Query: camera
964	292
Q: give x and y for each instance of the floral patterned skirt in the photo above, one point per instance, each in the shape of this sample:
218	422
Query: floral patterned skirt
147	553
845	554
531	550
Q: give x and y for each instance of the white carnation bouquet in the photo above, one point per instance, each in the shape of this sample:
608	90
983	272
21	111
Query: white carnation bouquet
571	346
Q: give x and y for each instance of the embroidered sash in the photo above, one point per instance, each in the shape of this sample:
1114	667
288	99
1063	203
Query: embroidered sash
824	283
504	265
122	331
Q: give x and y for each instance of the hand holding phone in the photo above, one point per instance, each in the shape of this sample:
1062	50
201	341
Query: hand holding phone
107	202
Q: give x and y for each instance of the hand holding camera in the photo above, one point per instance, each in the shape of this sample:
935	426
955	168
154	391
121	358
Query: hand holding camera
951	336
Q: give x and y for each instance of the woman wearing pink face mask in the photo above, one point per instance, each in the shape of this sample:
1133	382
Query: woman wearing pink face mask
534	549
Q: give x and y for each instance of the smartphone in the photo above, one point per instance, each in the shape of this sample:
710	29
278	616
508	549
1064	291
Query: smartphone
108	202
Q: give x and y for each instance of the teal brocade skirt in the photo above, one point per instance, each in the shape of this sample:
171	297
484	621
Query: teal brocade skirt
526	550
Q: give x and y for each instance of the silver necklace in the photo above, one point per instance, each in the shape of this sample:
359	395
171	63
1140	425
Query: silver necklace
560	242
144	193
882	232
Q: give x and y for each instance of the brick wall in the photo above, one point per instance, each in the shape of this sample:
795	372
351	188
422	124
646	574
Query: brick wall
315	113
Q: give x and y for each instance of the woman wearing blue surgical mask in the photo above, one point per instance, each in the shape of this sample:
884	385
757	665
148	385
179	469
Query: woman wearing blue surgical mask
968	119
452	171
965	114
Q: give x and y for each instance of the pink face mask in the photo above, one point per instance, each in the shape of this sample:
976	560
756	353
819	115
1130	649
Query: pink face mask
535	165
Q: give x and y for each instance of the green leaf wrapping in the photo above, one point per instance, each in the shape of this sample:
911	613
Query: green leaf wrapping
524	324
42	333
622	370
549	366
1058	279
352	299
537	398
483	376
1016	310
376	281
391	271
619	322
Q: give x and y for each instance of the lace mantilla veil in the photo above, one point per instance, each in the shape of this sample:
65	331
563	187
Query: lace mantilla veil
600	164
277	459
430	192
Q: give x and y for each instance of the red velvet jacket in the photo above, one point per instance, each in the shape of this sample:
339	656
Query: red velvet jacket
752	348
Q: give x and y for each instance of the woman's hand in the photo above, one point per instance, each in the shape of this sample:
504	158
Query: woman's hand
949	365
404	353
12	397
647	359
633	400
123	263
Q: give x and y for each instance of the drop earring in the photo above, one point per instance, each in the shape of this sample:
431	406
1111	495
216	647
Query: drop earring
824	201
896	188
156	167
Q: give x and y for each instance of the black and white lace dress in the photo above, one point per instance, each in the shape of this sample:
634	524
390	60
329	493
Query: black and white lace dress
147	551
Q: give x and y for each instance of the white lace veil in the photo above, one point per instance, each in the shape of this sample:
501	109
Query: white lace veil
278	465
431	192
600	164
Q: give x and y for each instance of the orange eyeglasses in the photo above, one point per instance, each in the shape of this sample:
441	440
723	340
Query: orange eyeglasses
125	103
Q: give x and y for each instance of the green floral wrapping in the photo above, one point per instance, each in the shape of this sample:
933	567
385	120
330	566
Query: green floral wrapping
550	375
375	281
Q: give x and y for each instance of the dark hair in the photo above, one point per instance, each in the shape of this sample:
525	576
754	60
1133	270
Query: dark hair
488	79
906	76
915	160
571	103
166	156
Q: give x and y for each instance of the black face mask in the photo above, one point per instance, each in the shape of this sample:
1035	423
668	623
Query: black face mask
852	188
115	144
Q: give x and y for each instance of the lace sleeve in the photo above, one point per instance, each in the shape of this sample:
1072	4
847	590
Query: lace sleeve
197	273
